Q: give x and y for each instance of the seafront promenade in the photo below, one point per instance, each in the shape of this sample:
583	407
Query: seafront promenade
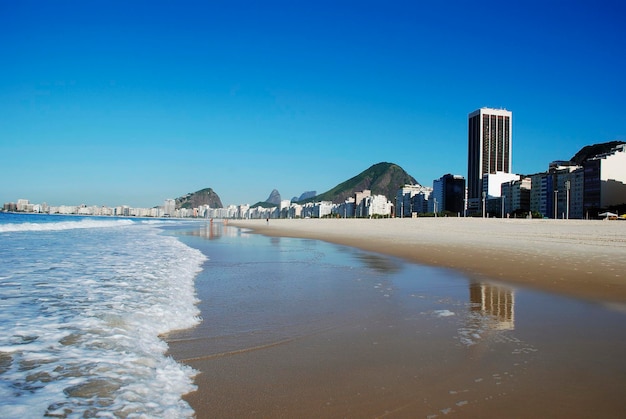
579	258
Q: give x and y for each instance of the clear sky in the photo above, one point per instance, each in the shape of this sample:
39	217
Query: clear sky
132	102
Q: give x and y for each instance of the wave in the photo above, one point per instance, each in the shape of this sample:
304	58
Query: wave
81	331
63	225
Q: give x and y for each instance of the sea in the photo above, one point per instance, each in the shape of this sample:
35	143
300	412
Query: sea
84	305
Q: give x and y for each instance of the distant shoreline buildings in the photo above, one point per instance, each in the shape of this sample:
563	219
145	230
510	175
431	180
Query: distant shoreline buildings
566	190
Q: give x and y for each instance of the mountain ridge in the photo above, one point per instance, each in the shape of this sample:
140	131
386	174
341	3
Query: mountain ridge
593	150
206	196
381	178
274	197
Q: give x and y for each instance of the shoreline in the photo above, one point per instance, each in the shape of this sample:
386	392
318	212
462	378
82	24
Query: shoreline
577	258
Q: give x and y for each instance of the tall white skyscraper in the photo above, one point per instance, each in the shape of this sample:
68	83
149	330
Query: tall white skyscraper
489	148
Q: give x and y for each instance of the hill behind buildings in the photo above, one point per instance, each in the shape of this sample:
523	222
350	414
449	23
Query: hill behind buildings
206	196
381	179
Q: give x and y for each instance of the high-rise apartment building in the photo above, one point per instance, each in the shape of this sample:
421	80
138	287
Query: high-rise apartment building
169	207
604	180
489	149
449	194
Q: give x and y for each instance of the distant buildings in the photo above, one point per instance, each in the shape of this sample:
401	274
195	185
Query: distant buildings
376	205
565	190
412	200
605	179
489	150
492	196
448	195
545	198
169	207
363	205
515	197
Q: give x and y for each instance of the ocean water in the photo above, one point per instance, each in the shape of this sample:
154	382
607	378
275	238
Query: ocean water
83	304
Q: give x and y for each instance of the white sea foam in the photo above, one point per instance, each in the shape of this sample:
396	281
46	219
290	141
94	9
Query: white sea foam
64	225
81	311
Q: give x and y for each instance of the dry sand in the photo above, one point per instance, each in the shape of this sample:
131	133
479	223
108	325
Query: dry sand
578	258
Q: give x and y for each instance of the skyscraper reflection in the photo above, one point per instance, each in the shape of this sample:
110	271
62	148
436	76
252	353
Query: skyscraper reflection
496	302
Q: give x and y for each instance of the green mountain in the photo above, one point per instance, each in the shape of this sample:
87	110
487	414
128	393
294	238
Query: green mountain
264	204
381	179
206	196
590	151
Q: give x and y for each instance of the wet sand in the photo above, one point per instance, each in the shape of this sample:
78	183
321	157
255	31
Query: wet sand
578	258
403	352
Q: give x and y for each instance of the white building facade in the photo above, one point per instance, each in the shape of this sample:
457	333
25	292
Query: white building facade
605	179
405	200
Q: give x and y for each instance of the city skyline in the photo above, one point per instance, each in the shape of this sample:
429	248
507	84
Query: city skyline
117	103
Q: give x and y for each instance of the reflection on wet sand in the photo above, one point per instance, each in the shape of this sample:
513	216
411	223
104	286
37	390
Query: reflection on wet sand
494	301
214	229
491	311
379	263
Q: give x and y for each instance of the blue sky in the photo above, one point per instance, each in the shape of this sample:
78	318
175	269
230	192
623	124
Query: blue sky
133	102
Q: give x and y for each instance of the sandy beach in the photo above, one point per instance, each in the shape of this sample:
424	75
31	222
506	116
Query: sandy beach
299	328
578	258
